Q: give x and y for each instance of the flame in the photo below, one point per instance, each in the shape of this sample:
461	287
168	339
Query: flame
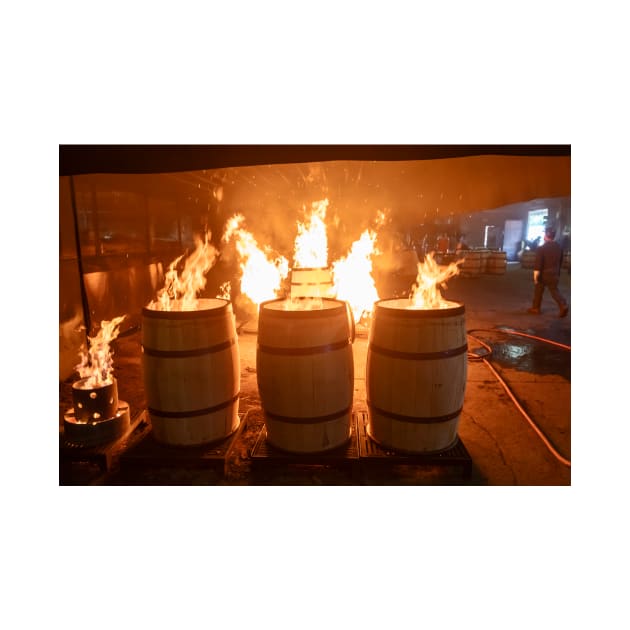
352	276
311	242
425	293
261	273
225	290
180	293
303	304
97	363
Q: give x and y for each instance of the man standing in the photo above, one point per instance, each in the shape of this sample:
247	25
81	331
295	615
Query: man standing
547	273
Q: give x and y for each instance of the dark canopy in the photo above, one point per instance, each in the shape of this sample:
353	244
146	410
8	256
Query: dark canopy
82	159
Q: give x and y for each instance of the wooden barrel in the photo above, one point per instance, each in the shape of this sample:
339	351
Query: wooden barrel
311	282
483	263
191	369
305	374
471	267
497	263
528	258
416	376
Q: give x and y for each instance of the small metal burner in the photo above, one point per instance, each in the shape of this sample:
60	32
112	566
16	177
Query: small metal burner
98	416
96	432
94	403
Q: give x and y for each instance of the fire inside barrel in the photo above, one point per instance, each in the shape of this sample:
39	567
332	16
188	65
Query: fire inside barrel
190	357
417	366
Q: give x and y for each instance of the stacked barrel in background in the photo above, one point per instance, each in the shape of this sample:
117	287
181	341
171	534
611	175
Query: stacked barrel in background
496	263
482	261
528	258
471	265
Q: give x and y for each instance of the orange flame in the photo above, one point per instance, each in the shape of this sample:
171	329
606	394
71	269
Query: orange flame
225	291
352	276
180	293
303	304
425	293
261	273
311	242
97	363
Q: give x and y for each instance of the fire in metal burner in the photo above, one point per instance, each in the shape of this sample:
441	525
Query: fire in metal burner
96	365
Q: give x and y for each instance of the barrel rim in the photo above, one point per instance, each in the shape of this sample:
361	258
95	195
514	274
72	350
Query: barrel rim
418	313
194	314
310	269
76	386
301	314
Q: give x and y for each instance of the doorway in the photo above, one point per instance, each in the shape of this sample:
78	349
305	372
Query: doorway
512	236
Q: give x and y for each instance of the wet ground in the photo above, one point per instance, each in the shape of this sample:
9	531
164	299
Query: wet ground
517	349
505	446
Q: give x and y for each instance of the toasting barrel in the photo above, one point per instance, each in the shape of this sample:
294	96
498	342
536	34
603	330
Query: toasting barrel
305	373
191	369
416	375
311	282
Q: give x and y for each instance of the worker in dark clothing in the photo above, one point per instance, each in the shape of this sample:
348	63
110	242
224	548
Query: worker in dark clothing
547	273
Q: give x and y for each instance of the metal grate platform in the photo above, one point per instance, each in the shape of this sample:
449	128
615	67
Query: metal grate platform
103	455
267	460
148	453
372	454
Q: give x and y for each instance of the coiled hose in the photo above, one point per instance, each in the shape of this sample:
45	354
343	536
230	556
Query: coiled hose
476	357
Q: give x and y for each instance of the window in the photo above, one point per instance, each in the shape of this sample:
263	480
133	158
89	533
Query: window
536	223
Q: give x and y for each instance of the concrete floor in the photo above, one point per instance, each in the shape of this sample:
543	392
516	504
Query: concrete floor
505	448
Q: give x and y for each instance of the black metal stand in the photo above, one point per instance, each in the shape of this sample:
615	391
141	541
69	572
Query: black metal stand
267	461
373	455
104	455
148	453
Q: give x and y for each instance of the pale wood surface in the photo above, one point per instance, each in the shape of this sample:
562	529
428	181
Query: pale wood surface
316	383
190	384
415	387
